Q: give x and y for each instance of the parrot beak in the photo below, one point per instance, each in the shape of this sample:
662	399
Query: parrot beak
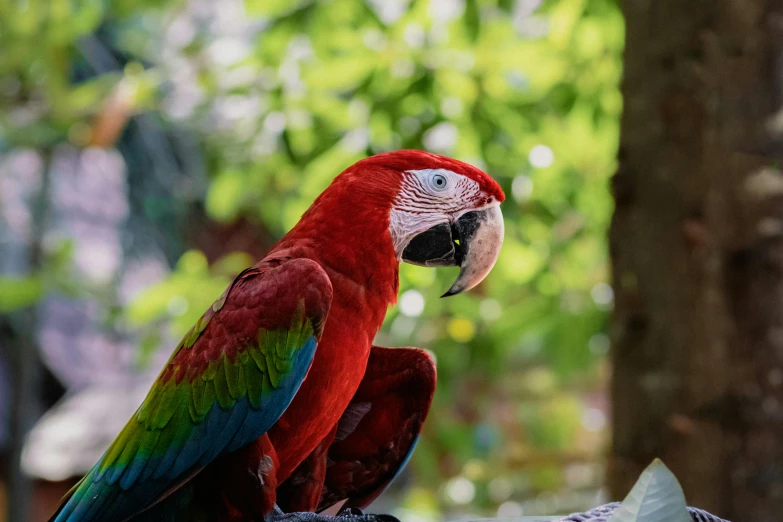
472	242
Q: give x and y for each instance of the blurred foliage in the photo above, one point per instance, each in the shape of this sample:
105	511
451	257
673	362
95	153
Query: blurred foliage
17	292
285	94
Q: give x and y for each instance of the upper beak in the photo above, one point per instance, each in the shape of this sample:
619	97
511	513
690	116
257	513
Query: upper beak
473	243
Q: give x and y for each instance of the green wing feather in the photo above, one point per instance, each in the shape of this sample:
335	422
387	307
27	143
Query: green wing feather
231	377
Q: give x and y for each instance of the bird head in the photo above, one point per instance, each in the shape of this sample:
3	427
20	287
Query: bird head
406	206
442	212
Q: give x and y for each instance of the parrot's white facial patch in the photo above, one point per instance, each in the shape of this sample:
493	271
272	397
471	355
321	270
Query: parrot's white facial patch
427	198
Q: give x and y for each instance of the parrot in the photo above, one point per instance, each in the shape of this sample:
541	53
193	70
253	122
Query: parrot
276	404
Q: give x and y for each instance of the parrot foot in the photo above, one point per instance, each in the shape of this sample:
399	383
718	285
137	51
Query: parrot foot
346	515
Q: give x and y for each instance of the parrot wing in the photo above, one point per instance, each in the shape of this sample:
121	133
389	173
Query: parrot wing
238	485
231	377
378	431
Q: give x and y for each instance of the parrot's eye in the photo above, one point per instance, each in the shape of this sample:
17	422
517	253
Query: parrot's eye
438	182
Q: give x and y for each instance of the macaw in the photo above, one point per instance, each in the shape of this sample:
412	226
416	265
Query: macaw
276	401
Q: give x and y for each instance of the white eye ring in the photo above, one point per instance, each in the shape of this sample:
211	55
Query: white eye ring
438	182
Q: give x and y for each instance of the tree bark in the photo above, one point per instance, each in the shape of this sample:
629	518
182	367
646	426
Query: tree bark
697	251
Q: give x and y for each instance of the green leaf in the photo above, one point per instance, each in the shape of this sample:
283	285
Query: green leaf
656	497
226	196
272	8
231	264
19	292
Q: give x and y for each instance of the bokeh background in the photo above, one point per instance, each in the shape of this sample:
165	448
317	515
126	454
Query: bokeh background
150	150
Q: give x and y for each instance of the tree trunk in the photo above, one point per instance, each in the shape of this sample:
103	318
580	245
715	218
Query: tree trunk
697	252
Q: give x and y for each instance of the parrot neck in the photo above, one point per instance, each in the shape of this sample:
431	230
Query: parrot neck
346	231
353	244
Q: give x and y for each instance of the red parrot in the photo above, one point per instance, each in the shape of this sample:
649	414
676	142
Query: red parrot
276	401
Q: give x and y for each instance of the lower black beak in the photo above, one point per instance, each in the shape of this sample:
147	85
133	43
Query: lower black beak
472	242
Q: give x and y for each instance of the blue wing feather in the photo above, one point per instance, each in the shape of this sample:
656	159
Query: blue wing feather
127	481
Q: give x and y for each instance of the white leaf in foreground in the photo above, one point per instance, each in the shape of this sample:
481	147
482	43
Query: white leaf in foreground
656	497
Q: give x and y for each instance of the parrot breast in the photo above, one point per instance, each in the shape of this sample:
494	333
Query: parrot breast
364	288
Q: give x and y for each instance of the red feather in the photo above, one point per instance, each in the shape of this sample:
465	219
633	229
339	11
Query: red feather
373	438
345	231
